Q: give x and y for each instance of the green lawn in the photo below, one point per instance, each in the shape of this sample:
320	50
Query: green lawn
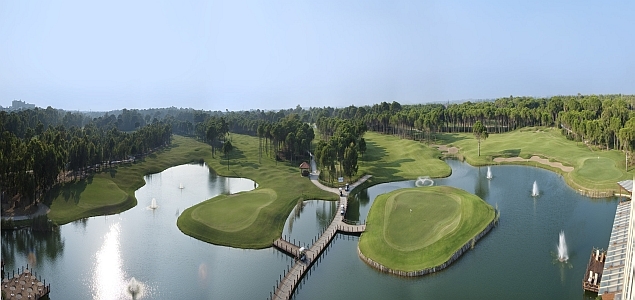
442	220
593	169
256	218
112	191
416	219
389	158
94	195
232	212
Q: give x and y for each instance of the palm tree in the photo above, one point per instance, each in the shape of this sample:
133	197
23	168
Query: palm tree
480	132
227	147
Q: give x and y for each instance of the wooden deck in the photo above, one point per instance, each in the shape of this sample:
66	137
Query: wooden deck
591	281
348	228
286	247
292	278
25	286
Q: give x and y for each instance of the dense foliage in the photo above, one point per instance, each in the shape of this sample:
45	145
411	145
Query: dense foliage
40	148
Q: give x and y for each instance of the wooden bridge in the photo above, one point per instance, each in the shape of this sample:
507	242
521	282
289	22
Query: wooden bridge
289	283
349	228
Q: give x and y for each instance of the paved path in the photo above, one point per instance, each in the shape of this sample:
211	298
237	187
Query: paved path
288	284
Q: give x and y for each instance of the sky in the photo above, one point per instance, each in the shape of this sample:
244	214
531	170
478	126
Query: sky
244	55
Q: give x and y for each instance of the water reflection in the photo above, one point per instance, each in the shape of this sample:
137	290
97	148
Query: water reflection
97	257
108	277
481	186
32	245
510	262
308	219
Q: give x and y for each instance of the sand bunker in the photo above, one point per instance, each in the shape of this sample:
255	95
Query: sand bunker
446	149
537	159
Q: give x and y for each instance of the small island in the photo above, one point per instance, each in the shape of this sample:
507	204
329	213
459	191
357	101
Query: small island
416	231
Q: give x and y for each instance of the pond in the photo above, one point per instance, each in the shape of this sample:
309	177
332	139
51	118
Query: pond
517	259
95	258
87	258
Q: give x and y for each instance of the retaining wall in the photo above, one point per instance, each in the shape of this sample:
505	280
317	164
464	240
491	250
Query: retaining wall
440	267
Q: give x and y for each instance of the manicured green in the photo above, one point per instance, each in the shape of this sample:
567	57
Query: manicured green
112	191
590	172
438	213
389	158
94	195
232	212
256	218
443	219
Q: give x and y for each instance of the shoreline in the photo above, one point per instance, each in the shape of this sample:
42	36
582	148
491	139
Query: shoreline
42	209
538	162
457	254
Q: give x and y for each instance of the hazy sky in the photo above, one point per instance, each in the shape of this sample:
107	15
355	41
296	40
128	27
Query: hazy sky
104	55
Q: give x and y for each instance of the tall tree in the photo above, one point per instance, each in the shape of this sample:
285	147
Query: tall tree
350	161
480	132
227	147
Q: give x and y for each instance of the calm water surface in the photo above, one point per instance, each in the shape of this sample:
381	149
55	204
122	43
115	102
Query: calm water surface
95	258
516	260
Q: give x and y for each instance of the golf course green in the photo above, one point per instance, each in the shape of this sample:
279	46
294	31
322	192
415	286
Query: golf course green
594	169
419	228
231	212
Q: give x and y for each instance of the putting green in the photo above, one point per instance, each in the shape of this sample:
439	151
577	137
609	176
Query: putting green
231	213
435	214
600	168
443	219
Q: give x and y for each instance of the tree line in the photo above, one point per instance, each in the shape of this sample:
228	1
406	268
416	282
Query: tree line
35	157
70	142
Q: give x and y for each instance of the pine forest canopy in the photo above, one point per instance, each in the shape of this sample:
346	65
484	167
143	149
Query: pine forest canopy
40	144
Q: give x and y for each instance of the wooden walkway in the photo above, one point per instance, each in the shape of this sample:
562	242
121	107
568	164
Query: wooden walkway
348	228
286	247
289	283
25	286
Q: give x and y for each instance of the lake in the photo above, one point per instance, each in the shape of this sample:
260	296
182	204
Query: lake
95	258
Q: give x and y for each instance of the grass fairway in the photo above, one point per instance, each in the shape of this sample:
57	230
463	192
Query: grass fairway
442	220
251	219
593	169
112	191
389	158
94	195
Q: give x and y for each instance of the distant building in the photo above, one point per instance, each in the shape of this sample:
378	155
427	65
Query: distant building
19	104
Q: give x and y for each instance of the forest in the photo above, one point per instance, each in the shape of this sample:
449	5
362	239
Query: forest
43	147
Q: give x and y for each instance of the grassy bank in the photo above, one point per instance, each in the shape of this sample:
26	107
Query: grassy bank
594	170
389	158
251	219
112	191
419	228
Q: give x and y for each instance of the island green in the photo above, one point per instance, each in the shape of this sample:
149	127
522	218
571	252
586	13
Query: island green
419	228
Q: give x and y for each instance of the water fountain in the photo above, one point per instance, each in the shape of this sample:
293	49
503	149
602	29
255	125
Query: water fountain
153	205
534	191
489	173
562	248
424	181
134	288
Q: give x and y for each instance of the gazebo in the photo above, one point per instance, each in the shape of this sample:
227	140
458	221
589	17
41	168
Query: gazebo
305	169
